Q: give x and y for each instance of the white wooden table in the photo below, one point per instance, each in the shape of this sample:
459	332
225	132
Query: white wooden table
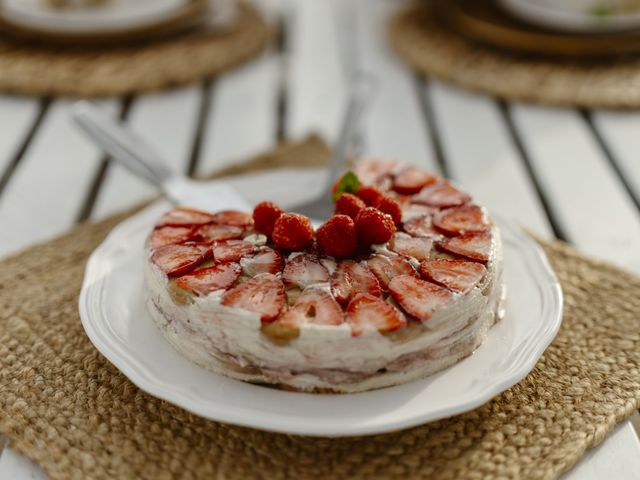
560	172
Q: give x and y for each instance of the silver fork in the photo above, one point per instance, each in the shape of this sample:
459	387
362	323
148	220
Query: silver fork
361	91
130	151
125	147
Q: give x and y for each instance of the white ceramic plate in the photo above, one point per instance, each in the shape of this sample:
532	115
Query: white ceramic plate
579	16
114	317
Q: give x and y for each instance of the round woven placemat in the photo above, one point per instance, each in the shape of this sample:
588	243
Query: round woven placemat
420	37
195	55
65	406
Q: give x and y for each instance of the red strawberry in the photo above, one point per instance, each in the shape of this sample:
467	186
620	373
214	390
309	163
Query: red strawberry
266	260
441	194
374	171
367	312
369	195
373	226
352	277
210	279
415	210
474	246
456	275
420	227
292	231
459	220
263	294
408	246
385	267
411	180
418	297
304	270
232	250
391	207
170	235
184	217
314	305
215	233
337	237
176	260
349	204
233	217
264	217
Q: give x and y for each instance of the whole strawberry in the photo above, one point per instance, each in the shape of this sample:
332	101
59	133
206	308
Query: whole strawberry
369	195
265	215
337	237
373	226
349	204
390	206
292	231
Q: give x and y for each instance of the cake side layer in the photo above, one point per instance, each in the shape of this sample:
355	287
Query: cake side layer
230	341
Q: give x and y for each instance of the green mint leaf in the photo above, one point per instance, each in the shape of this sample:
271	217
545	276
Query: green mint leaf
602	11
349	183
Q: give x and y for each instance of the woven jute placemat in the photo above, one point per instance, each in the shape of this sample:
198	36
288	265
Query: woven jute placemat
179	59
65	406
421	37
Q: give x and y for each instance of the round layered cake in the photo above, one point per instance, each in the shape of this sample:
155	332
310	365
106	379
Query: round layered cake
404	280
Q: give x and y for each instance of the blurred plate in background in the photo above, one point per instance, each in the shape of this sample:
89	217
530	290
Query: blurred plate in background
579	16
104	21
486	22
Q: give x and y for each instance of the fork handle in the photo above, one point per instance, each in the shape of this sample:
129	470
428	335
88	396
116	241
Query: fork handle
361	91
121	144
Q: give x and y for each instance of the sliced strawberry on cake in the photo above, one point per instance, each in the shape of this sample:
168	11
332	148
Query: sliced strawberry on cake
366	311
474	246
210	279
386	267
304	270
350	278
417	297
457	275
263	294
175	260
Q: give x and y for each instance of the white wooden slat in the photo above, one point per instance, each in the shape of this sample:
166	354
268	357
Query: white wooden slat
481	156
272	9
618	457
17	115
14	466
167	121
242	118
394	125
620	131
316	82
51	182
583	190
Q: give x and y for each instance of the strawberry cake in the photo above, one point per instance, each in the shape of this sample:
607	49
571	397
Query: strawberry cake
404	280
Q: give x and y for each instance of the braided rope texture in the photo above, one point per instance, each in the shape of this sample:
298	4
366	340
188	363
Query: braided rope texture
423	41
66	407
41	69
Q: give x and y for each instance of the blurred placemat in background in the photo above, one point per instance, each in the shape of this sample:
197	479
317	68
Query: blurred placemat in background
476	45
176	54
65	406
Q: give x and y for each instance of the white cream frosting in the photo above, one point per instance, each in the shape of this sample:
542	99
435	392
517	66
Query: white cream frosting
221	339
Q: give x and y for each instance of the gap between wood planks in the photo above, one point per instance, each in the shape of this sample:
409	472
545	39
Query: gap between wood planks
430	120
588	118
558	231
105	161
203	118
13	164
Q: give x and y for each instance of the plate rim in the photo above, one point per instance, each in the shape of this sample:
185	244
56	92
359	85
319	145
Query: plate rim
136	373
571	22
